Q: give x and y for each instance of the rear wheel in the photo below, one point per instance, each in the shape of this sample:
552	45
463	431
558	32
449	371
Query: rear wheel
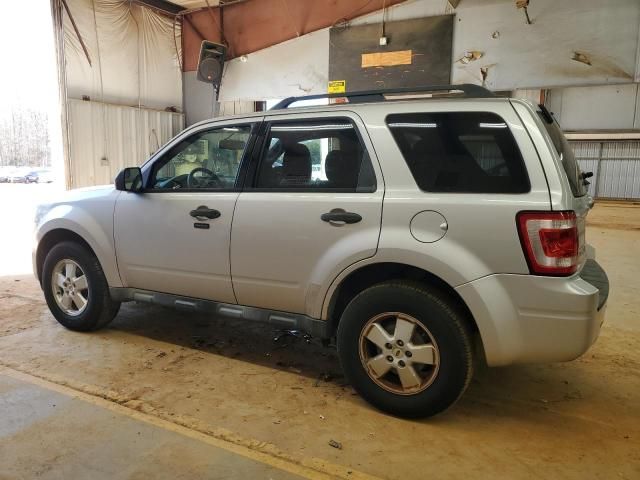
406	348
75	288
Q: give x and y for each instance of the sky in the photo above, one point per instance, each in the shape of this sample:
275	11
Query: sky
28	75
28	55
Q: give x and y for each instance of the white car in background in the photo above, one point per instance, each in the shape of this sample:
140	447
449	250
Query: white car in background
42	175
4	173
14	175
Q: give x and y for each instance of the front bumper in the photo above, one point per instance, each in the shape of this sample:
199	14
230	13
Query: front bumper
532	319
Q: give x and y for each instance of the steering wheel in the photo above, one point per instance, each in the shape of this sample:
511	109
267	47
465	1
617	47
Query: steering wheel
209	179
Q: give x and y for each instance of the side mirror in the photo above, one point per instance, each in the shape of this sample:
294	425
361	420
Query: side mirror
129	180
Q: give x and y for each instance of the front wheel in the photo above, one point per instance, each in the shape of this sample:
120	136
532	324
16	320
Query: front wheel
406	348
76	289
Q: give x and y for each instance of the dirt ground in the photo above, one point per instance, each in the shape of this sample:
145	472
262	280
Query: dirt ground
230	380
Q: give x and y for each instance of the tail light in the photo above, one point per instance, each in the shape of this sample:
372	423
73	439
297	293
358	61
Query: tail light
552	242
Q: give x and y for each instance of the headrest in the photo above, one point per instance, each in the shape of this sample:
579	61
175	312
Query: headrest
342	168
422	146
296	165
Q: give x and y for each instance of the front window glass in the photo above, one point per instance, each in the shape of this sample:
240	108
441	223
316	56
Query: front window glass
206	160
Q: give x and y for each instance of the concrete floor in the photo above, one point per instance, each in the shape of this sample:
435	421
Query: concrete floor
49	432
218	397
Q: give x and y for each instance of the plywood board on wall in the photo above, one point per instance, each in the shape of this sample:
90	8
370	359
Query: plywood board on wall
418	53
386	59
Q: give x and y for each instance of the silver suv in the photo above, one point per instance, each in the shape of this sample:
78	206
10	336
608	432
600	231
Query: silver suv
404	227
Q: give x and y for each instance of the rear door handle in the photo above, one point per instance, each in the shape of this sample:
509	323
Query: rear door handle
203	213
338	216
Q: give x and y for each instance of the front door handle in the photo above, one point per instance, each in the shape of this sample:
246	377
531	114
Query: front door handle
203	213
338	216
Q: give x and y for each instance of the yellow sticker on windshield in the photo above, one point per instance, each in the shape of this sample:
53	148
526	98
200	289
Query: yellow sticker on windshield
337	86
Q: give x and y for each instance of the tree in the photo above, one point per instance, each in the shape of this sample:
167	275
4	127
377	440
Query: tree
24	138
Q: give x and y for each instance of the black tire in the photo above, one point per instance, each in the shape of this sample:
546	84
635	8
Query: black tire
100	308
447	325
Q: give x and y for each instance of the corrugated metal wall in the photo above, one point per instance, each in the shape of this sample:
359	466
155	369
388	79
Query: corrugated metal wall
615	166
106	138
236	107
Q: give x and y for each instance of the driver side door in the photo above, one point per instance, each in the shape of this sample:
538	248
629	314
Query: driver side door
173	237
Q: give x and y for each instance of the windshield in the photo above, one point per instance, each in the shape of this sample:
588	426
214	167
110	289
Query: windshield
568	159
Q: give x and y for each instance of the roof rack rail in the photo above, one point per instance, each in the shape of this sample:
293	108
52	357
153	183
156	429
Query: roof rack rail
468	89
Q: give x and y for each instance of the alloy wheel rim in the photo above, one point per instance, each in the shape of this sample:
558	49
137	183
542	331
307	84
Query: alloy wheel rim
70	287
399	353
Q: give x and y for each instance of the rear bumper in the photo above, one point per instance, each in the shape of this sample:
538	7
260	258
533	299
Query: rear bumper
531	319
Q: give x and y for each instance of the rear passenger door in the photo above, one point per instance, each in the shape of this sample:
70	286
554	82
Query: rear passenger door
311	206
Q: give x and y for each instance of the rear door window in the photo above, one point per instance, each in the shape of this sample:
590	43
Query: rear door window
315	155
466	152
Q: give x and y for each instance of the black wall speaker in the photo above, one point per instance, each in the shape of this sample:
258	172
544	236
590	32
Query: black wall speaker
211	62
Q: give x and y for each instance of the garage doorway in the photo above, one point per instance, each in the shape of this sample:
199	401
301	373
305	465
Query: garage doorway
31	165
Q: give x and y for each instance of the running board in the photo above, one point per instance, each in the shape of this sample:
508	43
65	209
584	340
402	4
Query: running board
281	320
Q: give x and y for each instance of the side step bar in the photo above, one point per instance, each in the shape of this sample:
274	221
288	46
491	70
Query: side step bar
281	320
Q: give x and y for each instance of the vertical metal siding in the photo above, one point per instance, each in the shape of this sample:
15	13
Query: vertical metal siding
106	138
584	150
619	179
588	156
590	165
615	166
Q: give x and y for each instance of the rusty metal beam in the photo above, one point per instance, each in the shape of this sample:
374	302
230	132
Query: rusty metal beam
194	28
162	5
251	25
215	22
75	28
223	3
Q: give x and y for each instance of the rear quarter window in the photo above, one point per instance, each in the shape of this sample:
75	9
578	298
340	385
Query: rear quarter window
465	152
